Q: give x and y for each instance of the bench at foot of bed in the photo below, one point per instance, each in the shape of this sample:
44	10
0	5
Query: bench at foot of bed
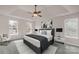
34	48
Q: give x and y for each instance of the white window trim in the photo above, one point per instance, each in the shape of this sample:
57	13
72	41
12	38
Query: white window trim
17	28
70	36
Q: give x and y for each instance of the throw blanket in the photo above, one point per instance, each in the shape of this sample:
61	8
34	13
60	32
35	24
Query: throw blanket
43	41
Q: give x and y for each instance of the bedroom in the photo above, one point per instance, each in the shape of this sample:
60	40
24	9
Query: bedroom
16	21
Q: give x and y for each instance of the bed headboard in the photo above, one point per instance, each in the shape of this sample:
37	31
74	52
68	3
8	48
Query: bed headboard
48	32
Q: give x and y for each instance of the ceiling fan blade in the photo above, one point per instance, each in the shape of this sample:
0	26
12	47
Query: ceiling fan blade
39	15
39	11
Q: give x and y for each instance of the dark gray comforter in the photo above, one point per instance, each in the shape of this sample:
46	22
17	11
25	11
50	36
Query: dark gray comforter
43	41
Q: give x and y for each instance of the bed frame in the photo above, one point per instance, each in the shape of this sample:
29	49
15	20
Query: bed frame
36	49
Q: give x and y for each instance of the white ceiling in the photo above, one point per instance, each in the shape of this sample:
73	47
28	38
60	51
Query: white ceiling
23	11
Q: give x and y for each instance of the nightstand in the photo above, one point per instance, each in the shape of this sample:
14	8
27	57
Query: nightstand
59	40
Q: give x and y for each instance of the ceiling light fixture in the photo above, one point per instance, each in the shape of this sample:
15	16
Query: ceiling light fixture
36	13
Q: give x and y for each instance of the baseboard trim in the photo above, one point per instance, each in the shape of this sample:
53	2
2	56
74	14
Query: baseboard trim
59	42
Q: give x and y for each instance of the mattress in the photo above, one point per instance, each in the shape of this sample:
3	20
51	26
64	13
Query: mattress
35	42
32	41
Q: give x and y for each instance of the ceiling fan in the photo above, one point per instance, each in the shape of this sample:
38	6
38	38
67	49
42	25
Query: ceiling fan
35	12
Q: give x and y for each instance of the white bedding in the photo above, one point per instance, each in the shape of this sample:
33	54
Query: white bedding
47	36
36	42
33	41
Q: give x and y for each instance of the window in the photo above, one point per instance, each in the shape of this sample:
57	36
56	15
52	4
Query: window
13	27
28	27
71	28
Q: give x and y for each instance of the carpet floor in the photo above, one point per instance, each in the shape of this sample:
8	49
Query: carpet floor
24	49
18	47
10	48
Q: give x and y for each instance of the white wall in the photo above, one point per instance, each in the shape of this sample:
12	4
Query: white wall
23	26
3	24
58	22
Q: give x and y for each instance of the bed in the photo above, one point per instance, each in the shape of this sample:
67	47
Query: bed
39	43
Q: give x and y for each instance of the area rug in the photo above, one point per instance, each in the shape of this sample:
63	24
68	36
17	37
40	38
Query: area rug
51	50
24	49
9	49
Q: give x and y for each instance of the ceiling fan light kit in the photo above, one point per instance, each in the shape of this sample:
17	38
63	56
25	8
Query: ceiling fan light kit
36	13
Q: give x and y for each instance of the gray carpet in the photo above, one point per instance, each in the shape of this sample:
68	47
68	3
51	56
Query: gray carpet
10	48
24	49
18	47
